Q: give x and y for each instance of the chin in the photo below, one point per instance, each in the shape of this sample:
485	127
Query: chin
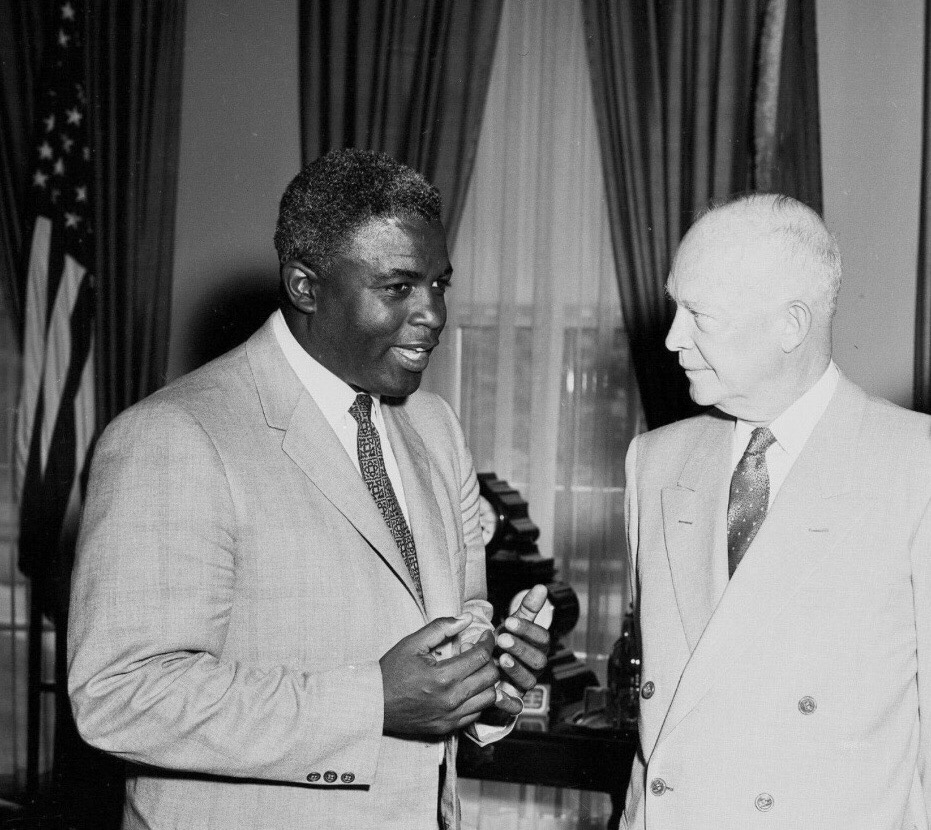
704	397
398	387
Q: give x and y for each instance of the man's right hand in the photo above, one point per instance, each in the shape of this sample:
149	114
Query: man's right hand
427	696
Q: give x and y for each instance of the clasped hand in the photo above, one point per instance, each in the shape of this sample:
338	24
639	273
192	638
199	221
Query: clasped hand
427	696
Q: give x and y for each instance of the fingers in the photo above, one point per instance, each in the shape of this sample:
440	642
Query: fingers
532	603
517	673
438	631
509	701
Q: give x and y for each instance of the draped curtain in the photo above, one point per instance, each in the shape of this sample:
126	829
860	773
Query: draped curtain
540	363
922	368
407	77
676	86
136	51
22	27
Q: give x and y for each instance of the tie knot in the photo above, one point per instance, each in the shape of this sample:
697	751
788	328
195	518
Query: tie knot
361	408
761	439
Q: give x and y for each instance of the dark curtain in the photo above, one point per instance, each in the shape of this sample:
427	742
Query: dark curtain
674	85
22	35
136	52
922	368
788	139
408	77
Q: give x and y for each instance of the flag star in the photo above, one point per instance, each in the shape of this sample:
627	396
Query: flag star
71	220
80	193
67	12
74	115
45	150
59	167
63	38
49	122
67	142
39	178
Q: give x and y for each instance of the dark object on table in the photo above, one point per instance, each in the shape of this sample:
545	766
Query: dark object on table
624	676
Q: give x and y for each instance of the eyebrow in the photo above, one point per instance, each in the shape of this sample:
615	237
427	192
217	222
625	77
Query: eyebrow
404	273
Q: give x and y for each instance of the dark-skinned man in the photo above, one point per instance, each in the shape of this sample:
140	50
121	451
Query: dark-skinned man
278	606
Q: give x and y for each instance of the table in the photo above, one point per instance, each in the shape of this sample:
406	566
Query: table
565	756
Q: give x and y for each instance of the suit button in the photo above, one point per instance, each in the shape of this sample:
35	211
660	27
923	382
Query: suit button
658	786
647	691
347	777
807	705
329	776
764	802
314	776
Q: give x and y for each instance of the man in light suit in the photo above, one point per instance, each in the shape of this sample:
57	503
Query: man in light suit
278	608
781	552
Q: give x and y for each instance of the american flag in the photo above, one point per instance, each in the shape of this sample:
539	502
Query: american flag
56	420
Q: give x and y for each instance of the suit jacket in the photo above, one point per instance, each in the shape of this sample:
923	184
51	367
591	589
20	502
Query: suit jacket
790	696
234	589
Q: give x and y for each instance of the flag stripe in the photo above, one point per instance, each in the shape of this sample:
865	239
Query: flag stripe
33	344
58	352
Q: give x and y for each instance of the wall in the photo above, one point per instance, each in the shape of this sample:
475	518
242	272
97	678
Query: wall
870	68
240	145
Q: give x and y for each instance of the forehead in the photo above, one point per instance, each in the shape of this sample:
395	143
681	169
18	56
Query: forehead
723	259
394	241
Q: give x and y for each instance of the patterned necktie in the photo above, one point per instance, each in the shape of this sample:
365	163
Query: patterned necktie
372	465
749	497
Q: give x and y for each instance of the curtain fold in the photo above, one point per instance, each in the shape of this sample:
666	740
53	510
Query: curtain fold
22	28
407	77
135	75
787	135
674	83
921	387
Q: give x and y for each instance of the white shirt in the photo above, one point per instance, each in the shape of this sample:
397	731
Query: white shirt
791	430
334	397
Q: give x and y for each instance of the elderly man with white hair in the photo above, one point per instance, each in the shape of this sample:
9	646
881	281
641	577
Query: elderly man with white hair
780	551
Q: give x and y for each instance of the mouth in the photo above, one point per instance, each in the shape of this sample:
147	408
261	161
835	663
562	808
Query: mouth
414	356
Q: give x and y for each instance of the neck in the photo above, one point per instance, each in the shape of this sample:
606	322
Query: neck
783	395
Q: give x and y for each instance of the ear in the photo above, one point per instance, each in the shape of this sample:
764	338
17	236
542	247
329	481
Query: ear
797	321
299	283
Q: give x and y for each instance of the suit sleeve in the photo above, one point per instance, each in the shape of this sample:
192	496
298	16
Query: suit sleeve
921	586
152	595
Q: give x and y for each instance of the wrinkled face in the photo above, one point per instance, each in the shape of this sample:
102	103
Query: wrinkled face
728	326
380	305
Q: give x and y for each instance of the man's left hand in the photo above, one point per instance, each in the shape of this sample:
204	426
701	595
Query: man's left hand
524	644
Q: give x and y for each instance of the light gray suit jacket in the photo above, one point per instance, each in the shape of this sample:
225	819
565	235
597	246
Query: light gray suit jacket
796	695
235	586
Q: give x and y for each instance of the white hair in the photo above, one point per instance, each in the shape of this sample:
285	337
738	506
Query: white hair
802	233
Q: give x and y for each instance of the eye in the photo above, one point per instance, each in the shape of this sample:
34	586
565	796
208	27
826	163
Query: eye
442	285
398	289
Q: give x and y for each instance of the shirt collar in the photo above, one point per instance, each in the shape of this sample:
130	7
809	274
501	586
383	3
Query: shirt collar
331	394
792	428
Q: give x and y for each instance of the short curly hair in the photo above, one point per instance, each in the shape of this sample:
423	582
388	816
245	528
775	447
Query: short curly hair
339	192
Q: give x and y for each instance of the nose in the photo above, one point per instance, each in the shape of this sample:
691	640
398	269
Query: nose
429	309
678	337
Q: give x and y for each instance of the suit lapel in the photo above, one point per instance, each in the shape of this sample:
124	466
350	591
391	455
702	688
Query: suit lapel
803	526
311	443
694	514
426	522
